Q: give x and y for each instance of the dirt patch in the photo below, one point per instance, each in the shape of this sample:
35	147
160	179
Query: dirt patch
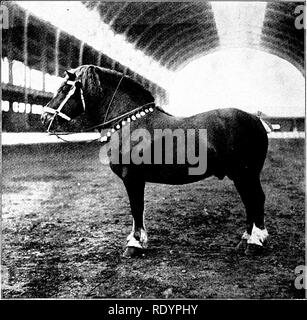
66	217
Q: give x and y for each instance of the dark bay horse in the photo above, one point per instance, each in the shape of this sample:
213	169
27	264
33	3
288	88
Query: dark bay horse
235	143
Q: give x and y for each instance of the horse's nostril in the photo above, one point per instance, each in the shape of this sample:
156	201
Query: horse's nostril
44	118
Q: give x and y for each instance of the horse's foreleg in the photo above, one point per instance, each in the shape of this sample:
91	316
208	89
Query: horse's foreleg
137	239
253	197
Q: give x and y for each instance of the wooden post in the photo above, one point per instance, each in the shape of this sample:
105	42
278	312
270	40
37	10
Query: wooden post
25	55
99	58
81	53
44	58
10	45
56	52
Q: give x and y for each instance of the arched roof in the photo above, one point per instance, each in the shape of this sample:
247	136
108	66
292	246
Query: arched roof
174	33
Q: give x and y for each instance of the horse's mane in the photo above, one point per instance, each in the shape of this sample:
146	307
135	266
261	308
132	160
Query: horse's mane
93	76
132	86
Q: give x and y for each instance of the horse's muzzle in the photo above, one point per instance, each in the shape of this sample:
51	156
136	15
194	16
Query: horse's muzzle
46	118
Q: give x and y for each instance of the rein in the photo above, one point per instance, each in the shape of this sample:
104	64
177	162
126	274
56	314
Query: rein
111	101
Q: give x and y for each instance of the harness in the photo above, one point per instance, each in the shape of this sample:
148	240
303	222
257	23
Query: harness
119	120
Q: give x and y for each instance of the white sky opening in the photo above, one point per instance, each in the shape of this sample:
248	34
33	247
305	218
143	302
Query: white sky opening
246	79
239	23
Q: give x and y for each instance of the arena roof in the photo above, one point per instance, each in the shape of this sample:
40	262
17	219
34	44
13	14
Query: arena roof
154	41
174	34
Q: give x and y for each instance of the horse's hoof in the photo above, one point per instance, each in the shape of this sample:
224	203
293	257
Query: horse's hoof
253	250
242	245
131	252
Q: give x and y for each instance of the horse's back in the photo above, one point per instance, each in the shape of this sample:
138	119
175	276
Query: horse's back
239	139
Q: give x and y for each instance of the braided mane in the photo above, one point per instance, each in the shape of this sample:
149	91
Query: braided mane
93	77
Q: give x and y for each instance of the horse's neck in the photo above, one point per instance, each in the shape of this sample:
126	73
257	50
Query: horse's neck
123	103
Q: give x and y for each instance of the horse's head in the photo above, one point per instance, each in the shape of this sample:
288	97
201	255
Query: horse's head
67	103
93	90
82	91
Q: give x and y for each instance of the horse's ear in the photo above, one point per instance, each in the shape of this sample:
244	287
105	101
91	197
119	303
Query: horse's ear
71	75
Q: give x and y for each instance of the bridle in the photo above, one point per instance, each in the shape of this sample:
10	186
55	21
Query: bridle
77	84
58	111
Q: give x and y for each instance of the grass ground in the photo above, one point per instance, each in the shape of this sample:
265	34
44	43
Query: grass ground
66	217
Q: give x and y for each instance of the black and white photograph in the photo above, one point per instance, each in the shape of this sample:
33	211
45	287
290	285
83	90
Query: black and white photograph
153	150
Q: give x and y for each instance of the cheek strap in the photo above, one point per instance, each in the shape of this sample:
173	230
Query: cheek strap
57	112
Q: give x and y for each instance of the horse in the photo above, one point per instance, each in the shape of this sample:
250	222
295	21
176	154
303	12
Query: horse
235	141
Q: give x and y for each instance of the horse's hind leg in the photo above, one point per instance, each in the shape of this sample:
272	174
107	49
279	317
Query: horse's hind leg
137	240
252	195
